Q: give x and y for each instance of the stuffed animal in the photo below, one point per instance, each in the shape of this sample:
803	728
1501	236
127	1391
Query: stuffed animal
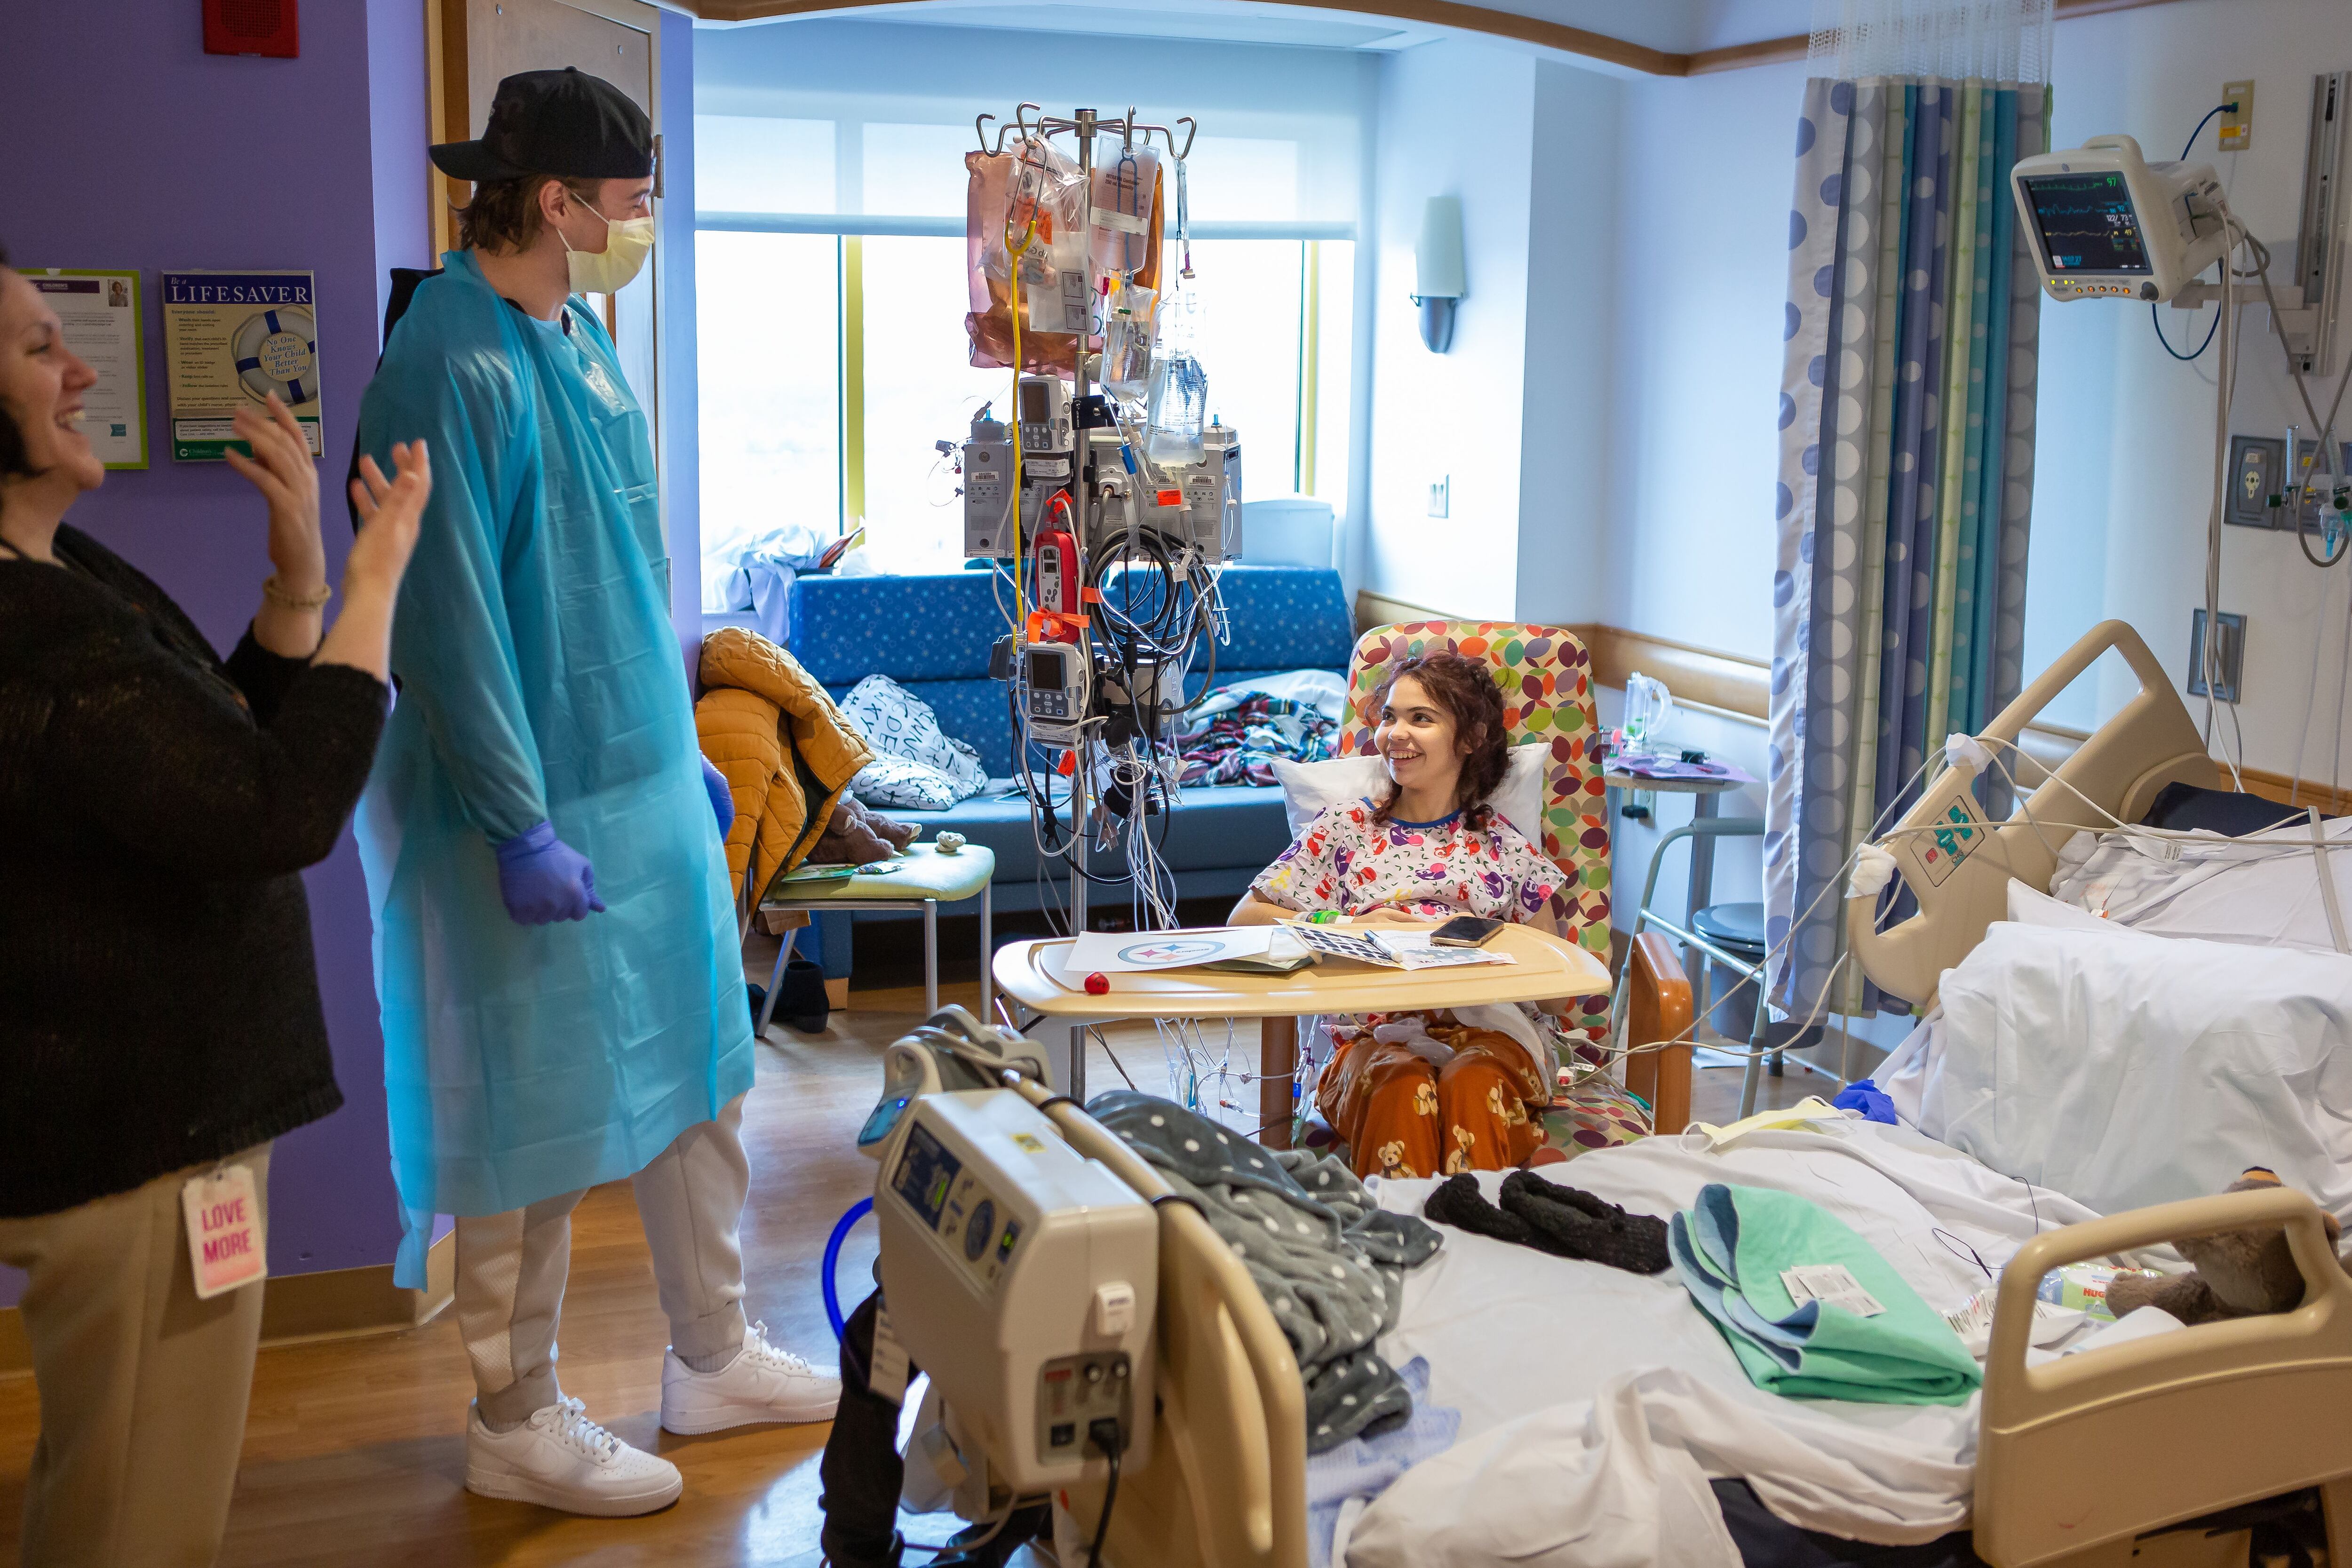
2238	1274
859	837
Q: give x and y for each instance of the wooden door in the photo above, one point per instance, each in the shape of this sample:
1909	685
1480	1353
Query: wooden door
481	43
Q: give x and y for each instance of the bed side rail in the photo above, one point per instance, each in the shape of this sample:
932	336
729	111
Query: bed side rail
2076	1458
1227	1483
1958	866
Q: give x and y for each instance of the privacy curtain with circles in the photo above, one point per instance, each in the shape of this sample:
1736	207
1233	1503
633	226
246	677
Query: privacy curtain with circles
1906	440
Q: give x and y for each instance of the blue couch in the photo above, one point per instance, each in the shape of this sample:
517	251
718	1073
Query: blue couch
932	634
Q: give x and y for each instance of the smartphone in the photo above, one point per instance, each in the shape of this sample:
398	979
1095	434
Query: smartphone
1465	931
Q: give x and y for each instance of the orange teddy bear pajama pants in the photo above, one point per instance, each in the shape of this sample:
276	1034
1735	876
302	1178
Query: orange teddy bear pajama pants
1402	1116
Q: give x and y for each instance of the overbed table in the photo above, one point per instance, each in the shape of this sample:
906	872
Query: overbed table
1032	975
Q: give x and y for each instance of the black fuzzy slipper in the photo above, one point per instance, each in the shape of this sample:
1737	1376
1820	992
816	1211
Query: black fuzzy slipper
1458	1201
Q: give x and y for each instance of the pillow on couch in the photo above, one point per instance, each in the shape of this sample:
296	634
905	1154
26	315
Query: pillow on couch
1308	787
916	766
909	786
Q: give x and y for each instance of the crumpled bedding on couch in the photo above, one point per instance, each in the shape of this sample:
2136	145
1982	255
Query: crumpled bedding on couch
1241	744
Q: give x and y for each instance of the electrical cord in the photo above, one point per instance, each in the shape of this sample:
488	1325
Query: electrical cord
2156	320
1109	1449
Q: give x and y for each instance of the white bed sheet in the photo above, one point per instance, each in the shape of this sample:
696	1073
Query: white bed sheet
2262	889
2124	1069
1595	1404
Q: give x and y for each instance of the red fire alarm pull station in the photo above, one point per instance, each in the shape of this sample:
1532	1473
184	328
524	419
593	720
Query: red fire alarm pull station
252	28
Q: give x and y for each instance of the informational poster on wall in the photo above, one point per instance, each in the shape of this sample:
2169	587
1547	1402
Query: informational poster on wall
98	310
231	339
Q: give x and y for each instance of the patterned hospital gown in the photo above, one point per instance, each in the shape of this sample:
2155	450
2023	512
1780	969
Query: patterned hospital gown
1346	862
1400	1113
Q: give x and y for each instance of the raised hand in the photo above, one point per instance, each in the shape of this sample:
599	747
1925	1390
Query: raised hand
391	515
283	470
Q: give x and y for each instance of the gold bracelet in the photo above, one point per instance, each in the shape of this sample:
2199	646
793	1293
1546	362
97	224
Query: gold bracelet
279	597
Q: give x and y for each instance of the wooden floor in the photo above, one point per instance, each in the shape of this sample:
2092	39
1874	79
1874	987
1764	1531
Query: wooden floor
355	1453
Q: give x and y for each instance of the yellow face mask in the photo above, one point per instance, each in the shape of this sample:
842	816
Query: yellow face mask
1805	1112
627	242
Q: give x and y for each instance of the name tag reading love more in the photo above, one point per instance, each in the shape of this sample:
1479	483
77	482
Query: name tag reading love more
226	1246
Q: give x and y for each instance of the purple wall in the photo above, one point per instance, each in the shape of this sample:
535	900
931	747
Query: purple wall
136	149
681	470
141	151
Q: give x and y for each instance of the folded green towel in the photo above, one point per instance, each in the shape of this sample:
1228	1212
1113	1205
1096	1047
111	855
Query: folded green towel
1732	1249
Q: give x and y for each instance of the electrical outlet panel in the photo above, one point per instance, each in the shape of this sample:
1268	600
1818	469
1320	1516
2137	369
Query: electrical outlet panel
2237	123
2228	655
1440	497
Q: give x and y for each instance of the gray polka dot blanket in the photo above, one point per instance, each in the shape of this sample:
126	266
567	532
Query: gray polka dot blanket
1330	1262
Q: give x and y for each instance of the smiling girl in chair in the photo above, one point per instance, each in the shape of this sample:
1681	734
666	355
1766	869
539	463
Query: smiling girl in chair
1427	1094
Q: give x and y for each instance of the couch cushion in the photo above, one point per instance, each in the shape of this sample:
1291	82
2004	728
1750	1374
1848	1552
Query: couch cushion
1277	618
929	625
932	632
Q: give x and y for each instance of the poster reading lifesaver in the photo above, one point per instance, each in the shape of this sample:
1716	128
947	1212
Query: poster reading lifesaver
231	339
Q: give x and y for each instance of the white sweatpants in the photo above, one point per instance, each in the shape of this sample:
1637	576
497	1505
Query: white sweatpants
511	1268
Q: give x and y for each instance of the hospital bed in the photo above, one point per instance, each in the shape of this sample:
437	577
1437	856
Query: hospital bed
1958	867
2073	1461
2082	1460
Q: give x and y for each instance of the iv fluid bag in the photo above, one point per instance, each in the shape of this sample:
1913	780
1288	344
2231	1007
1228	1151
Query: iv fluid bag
1127	343
1180	409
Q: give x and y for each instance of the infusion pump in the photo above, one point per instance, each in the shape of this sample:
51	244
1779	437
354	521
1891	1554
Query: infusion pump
1023	1278
1197	504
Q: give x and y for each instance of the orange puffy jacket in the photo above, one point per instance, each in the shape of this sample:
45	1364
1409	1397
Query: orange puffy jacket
788	753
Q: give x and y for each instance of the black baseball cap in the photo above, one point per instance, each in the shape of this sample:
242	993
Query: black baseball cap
564	122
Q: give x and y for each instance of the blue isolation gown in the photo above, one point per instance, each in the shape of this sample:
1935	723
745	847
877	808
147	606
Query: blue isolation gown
539	681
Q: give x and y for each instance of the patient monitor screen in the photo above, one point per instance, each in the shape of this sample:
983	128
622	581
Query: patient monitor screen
2088	222
1045	673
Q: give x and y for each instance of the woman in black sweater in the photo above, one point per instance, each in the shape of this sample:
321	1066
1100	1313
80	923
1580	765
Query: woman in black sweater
160	1020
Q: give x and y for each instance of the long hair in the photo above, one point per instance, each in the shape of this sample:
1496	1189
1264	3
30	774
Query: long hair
1466	688
15	463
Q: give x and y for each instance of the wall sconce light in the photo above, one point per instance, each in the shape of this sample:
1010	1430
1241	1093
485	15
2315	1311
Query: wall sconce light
1437	270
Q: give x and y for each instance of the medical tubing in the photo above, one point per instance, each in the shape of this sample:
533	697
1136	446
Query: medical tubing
1878	830
857	1211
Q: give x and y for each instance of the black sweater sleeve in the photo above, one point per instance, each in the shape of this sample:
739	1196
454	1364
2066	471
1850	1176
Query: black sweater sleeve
264	677
157	757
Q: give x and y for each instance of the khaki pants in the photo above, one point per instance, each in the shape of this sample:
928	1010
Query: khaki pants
511	1269
143	1387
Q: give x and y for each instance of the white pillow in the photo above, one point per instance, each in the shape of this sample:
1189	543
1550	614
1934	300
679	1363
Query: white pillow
908	786
897	723
1308	787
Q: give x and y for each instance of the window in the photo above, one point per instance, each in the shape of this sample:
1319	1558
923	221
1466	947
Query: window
832	288
770	435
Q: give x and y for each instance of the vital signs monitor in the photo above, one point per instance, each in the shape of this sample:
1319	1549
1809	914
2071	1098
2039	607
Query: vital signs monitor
2105	221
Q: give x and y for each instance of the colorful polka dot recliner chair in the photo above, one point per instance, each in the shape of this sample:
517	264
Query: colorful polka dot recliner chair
1547	681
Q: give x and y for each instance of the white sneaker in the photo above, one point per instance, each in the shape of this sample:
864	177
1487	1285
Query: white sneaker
558	1459
762	1383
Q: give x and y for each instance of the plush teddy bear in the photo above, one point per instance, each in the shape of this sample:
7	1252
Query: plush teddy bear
2238	1274
858	836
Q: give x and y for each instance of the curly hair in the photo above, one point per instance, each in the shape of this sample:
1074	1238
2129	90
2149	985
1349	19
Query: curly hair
504	215
1466	688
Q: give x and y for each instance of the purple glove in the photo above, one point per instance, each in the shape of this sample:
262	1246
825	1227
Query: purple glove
544	880
722	799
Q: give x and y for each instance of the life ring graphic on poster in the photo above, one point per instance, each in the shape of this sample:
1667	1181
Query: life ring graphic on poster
278	351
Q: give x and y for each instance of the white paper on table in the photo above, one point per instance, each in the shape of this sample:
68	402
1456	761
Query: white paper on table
1428	957
1140	951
